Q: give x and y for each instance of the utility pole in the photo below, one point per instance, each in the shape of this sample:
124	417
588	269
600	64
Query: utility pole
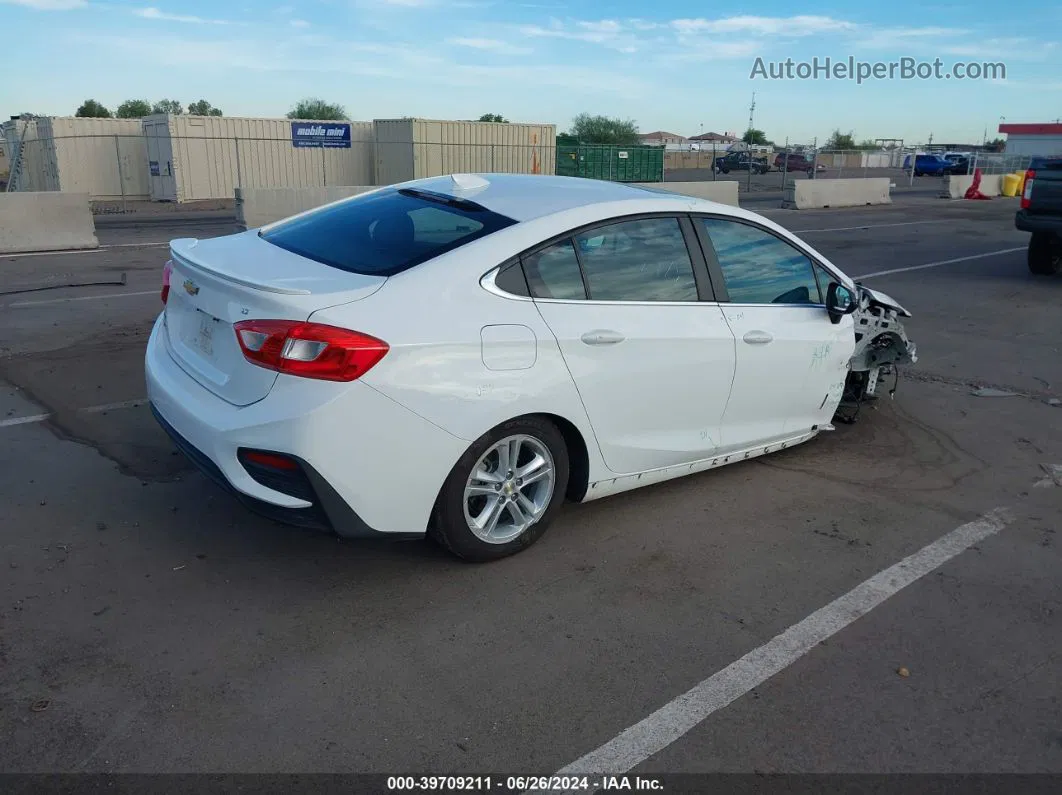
930	140
752	108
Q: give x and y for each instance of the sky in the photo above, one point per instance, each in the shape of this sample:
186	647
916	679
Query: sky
685	66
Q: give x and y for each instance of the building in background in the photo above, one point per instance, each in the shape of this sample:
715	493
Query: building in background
720	139
1033	139
661	138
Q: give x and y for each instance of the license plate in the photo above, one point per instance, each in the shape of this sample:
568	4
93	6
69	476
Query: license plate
203	337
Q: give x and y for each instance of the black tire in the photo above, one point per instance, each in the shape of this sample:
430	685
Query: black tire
724	170
449	526
1045	254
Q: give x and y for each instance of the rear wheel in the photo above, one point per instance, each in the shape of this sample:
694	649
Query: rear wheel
503	492
1045	254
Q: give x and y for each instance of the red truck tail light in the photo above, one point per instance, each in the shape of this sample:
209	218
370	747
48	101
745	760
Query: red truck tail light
167	269
309	350
1026	193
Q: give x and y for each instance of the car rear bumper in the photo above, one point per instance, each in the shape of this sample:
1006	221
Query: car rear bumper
1027	222
366	465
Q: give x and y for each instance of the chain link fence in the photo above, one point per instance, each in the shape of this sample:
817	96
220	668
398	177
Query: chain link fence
139	168
125	168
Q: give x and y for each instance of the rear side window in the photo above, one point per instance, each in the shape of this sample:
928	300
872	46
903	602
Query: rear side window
554	272
643	260
385	233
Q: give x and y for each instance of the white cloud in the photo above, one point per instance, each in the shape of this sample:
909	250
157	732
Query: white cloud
156	14
490	45
803	25
48	5
299	23
886	38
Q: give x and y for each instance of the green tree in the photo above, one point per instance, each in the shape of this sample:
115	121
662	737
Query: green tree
495	117
91	109
317	109
203	108
755	137
868	145
134	109
170	106
839	140
589	129
996	145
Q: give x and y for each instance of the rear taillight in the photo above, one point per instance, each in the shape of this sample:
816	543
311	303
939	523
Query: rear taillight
1026	193
167	269
310	350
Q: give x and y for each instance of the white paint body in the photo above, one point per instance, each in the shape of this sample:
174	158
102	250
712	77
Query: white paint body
682	392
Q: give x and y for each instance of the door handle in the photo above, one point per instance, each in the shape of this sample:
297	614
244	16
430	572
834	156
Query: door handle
757	337
600	337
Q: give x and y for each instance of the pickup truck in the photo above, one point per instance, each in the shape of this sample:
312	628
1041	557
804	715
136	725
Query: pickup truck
1041	214
928	164
741	161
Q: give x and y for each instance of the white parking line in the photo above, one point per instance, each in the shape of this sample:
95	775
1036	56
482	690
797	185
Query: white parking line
21	304
938	264
23	420
864	226
676	718
121	404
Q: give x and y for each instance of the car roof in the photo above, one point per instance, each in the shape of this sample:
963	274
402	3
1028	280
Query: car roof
524	197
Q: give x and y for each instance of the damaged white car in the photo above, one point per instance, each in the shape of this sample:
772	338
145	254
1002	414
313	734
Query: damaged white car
459	355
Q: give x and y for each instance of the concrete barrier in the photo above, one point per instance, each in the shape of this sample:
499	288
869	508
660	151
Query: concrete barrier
257	207
814	193
723	191
955	185
45	221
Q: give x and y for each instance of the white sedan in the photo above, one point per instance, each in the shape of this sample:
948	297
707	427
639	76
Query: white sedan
458	355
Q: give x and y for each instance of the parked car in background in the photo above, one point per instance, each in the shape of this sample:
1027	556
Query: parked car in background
459	355
928	164
742	161
960	162
797	161
1041	213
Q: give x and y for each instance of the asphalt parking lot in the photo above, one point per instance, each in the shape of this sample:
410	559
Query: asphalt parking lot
148	623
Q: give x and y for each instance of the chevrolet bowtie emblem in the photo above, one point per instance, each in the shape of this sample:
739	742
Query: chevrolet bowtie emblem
191	287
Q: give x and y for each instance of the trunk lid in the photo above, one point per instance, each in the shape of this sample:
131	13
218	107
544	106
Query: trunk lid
219	282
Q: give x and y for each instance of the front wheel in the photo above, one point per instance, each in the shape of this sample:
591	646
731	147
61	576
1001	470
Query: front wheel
502	494
1045	254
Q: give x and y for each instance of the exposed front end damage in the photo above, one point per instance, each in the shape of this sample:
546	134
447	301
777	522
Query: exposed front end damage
881	346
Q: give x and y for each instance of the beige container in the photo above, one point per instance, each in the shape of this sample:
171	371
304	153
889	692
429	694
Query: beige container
416	148
105	158
34	155
192	158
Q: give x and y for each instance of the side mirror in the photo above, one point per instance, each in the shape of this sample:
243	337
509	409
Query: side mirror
839	302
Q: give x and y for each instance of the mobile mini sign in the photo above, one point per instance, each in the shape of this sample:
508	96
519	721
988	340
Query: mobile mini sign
306	134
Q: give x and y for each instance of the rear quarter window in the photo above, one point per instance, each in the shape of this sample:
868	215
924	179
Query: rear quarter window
382	234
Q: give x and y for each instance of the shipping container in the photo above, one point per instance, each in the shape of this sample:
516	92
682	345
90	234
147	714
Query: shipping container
34	177
100	157
105	158
190	158
616	163
416	148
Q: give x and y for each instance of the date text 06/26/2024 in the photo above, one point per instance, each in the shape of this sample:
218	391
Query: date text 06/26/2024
521	783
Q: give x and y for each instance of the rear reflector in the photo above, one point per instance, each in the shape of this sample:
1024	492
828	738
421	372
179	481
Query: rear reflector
309	350
167	269
271	460
1026	194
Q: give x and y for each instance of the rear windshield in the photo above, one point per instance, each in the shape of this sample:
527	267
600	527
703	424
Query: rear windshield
385	233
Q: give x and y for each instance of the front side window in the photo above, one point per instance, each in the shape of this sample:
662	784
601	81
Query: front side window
758	267
638	260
